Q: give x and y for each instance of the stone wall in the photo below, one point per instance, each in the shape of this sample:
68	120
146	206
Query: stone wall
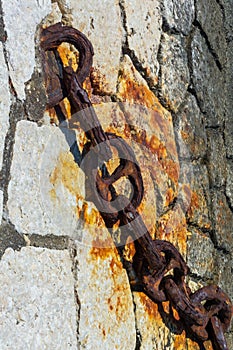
161	79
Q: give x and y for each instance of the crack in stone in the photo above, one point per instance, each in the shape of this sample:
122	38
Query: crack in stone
208	44
48	241
16	114
74	258
138	343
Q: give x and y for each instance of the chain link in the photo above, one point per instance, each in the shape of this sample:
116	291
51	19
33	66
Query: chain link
157	267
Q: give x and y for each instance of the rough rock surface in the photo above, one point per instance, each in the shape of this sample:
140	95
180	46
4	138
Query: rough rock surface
217	37
174	73
106	314
20	44
205	72
101	22
37	300
35	203
142	22
178	15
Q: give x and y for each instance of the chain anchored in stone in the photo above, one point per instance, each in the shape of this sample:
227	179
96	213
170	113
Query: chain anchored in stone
159	268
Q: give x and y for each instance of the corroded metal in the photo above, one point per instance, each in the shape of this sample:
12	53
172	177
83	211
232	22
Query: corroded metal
159	267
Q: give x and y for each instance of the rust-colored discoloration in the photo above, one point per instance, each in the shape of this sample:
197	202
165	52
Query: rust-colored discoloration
180	341
172	227
71	177
151	308
170	195
67	172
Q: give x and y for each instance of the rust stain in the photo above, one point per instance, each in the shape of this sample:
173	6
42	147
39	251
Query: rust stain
69	175
172	227
185	136
180	341
135	92
170	195
194	203
104	249
150	307
66	172
69	57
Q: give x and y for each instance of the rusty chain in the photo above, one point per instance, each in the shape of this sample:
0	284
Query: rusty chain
157	265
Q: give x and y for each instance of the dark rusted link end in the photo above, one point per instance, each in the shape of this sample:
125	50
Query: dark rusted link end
173	260
216	334
194	314
56	34
217	303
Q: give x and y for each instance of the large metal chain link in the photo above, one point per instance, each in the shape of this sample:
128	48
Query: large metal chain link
157	265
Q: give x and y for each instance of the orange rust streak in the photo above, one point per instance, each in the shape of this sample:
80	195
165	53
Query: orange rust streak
150	307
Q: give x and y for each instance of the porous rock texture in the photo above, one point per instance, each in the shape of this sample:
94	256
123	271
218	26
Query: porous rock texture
162	80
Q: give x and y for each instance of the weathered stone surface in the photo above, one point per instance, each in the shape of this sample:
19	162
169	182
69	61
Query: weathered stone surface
229	183
213	26
206	74
190	131
223	272
35	203
21	53
198	212
1	206
107	318
216	155
4	102
152	130
227	10
37	300
200	254
174	72
178	15
229	103
143	29
100	21
223	221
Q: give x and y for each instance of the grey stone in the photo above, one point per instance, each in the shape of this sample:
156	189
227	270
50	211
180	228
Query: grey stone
213	26
36	203
100	21
107	318
143	23
38	308
200	254
208	82
174	72
178	15
190	130
229	182
198	213
227	10
20	44
216	156
4	102
223	272
1	205
229	102
222	221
